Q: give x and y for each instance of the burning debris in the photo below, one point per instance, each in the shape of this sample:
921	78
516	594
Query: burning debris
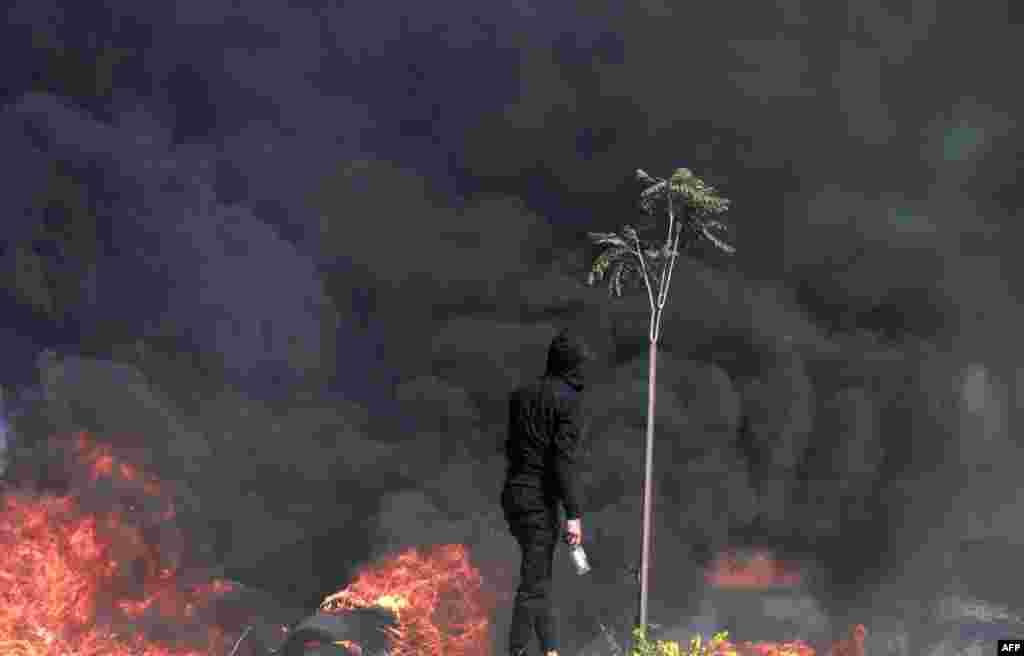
754	570
78	581
97	570
720	645
852	644
757	587
796	648
754	583
359	632
435	594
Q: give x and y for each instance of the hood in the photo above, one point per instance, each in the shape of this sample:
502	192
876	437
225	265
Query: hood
566	357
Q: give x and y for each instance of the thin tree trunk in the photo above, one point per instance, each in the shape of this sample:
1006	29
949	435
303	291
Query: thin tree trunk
645	555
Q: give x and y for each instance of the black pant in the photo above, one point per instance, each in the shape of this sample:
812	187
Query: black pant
533	520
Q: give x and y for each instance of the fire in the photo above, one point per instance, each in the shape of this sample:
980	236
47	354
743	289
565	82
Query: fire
70	579
101	463
852	645
350	646
394	603
759	570
436	596
795	648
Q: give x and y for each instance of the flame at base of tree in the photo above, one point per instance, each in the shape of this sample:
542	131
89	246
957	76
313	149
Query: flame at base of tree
436	595
795	648
720	645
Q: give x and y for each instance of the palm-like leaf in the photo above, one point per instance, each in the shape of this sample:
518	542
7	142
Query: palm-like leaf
609	256
722	245
698	195
619	261
644	176
701	201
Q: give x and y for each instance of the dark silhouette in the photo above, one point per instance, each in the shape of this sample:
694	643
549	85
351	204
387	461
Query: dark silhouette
542	449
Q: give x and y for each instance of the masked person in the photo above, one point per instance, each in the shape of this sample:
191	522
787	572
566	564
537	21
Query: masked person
542	449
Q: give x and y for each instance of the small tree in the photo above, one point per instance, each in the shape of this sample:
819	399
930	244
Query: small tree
625	258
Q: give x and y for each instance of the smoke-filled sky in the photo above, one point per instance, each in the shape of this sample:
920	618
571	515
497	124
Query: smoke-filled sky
301	252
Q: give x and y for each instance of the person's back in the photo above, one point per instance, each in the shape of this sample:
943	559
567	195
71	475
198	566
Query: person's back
541	449
534	456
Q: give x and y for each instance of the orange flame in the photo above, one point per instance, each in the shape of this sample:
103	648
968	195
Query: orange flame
795	648
436	596
759	570
852	645
100	461
66	576
351	647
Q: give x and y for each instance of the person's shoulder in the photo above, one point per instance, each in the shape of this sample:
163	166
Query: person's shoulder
565	392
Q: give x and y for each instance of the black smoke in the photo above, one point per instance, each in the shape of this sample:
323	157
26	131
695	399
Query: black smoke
301	252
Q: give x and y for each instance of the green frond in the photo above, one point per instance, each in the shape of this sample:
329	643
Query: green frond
626	258
599	267
605	260
683	176
697	194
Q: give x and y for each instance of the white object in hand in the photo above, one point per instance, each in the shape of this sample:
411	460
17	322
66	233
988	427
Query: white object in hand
579	559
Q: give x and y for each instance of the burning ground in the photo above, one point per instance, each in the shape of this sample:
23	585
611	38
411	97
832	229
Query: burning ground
100	569
103	569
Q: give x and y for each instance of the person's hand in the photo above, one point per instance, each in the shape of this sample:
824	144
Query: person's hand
573	532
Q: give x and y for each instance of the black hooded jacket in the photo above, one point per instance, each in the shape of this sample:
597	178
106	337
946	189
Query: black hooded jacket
545	428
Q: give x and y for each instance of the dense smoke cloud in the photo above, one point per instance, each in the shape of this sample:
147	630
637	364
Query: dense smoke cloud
298	257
